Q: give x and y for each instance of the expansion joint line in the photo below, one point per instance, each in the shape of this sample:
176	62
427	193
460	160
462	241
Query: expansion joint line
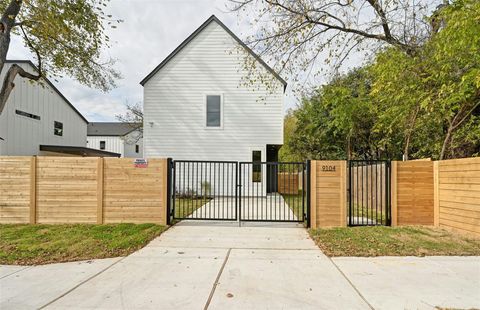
217	280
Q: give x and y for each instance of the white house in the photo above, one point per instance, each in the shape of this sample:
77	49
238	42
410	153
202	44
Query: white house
197	106
39	120
122	138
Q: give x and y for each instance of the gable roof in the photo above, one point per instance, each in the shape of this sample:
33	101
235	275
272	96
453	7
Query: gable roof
110	128
49	84
194	34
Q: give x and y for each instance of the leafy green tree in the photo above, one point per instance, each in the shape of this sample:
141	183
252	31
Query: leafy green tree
439	86
418	105
338	122
286	152
453	63
314	137
67	37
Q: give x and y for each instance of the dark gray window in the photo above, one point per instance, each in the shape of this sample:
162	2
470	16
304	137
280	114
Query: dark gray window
137	148
58	128
26	114
214	113
102	145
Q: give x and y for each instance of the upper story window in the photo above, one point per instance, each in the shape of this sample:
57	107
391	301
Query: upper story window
26	114
102	145
58	128
214	110
137	148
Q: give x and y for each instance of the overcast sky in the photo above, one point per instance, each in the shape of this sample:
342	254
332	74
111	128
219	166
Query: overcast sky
150	31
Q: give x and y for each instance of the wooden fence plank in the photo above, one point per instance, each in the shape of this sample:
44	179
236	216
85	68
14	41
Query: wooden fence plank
313	194
33	191
394	197
100	191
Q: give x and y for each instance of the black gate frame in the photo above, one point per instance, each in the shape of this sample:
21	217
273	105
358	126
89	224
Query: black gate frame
387	192
172	192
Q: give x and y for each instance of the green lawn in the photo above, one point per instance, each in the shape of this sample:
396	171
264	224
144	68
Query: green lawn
359	211
186	206
393	241
295	203
25	244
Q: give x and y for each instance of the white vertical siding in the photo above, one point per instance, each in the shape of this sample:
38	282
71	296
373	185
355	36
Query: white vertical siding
112	143
174	104
23	135
121	145
130	149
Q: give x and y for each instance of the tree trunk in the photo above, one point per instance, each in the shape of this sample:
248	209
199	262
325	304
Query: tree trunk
7	22
349	147
462	116
407	145
446	141
410	133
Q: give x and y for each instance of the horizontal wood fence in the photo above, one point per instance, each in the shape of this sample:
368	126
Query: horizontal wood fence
412	193
423	192
112	190
54	190
457	199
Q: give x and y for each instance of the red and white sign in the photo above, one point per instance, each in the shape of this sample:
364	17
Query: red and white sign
140	163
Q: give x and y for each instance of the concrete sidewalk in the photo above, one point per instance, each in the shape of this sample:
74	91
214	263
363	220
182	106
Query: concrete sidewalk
223	266
415	282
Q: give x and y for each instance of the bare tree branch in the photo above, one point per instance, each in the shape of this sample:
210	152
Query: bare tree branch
133	117
363	25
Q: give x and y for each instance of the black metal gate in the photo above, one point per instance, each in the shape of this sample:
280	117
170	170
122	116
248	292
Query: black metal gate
369	193
233	191
205	190
272	191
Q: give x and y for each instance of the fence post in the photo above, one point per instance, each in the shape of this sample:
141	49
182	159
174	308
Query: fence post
393	191
169	190
33	190
313	194
165	185
306	188
343	193
100	190
436	197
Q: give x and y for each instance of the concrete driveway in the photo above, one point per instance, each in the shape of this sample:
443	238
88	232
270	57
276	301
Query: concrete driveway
269	207
222	266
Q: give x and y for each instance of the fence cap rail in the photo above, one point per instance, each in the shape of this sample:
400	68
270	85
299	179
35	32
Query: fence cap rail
206	161
271	163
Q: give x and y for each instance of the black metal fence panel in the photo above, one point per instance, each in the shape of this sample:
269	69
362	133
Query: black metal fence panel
246	191
369	193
